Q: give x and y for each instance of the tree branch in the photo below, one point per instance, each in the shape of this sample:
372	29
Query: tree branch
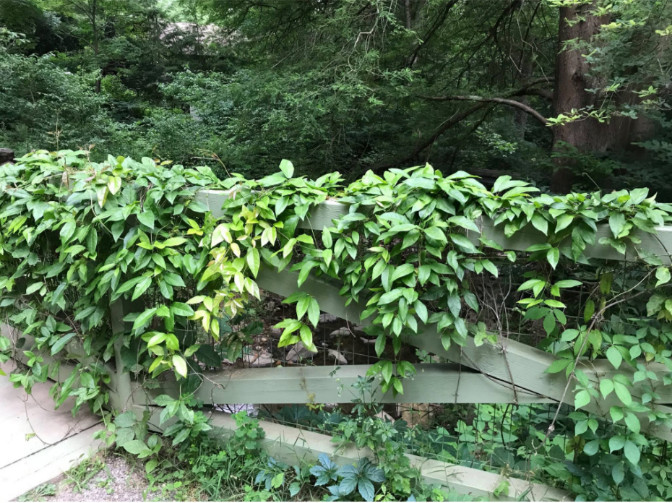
503	101
435	26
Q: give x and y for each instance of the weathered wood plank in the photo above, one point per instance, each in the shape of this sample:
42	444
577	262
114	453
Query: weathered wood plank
293	445
433	383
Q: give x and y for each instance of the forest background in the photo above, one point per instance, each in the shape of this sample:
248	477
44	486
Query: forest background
568	94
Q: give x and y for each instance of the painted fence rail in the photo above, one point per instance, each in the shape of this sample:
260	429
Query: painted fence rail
506	372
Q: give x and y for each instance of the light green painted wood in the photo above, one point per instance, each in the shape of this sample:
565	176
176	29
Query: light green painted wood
293	445
508	361
121	394
433	383
659	244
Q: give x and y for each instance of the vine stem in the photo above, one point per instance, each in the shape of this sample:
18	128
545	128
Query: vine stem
593	322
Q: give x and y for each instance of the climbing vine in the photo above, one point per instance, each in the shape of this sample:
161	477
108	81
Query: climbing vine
412	249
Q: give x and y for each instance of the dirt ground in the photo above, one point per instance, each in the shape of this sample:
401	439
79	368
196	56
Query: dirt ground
107	477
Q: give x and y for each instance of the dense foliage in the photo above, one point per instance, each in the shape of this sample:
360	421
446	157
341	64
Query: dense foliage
81	239
347	85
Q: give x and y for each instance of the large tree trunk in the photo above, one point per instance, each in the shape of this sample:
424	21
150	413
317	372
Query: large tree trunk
571	81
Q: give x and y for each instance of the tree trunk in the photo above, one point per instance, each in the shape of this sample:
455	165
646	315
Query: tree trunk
572	78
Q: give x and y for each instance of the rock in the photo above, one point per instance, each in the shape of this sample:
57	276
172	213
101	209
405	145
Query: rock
338	356
258	359
299	352
340	332
275	332
328	318
385	416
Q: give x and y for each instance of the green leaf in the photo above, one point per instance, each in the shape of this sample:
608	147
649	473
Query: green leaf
606	387
180	365
553	257
386	370
34	287
558	366
314	312
464	243
287	168
68	230
581	399
623	393
141	287
616	223
631	452
181	309
144	318
616	443
60	343
568	283
380	344
591	448
390	296
540	223
563	222
632	422
253	261
662	275
175	241
135	446
436	234
147	218
614	356
618	473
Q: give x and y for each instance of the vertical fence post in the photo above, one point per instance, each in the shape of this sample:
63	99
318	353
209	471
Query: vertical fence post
120	397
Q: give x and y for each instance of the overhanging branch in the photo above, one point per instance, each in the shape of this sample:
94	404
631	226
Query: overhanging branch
504	101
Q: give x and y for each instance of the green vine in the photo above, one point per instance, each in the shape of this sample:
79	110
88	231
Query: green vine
412	247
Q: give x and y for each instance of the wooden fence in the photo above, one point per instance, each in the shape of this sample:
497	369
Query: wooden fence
505	372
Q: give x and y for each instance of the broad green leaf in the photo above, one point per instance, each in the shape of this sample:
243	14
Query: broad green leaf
618	473
60	343
253	261
181	309
631	452
616	443
464	243
553	256
144	318
564	221
591	448
614	356
581	399
623	393
141	287
287	168
180	365
557	366
632	422
606	387
436	234
390	296
540	223
662	275
616	223
314	312
147	218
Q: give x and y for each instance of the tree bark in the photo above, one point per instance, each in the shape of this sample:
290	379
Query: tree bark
572	78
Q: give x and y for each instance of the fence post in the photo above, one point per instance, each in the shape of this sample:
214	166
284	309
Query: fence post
121	396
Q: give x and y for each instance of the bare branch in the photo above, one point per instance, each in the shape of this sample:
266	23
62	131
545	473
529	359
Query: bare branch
503	101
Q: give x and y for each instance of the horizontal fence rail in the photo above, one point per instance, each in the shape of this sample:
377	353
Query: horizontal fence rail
521	367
